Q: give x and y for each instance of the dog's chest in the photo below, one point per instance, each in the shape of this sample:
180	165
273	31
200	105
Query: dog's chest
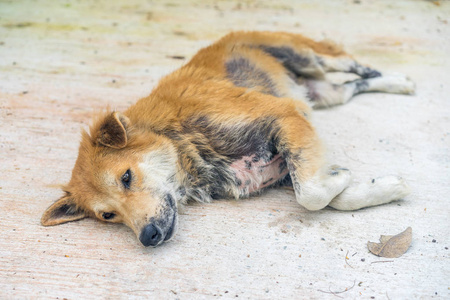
254	173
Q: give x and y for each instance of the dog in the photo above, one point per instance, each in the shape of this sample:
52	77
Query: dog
231	123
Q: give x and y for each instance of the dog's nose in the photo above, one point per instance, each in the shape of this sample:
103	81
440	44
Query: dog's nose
151	235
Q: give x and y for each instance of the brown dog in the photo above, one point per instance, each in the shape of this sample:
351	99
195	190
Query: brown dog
231	122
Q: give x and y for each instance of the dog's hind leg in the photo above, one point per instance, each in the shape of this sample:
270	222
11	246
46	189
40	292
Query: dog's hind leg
299	55
322	93
346	64
306	58
308	61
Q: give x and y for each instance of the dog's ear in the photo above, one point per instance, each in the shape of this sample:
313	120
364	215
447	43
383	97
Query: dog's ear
113	131
62	211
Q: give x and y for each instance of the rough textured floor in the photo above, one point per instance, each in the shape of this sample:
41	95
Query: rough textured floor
61	61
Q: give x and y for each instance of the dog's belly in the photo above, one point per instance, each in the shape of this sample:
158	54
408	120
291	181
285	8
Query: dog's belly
253	174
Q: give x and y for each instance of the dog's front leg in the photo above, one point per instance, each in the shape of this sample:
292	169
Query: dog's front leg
317	190
315	183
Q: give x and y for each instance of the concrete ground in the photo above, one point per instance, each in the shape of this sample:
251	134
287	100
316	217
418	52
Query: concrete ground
61	61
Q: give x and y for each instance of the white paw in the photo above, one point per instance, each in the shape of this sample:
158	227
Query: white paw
402	85
375	192
396	84
336	170
389	188
317	192
338	177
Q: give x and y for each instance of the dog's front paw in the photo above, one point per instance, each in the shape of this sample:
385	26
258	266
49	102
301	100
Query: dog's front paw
389	188
375	192
336	170
338	176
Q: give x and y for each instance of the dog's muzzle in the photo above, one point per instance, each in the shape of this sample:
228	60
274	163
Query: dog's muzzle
152	235
161	229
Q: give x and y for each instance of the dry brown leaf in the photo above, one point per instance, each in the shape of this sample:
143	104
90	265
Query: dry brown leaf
392	245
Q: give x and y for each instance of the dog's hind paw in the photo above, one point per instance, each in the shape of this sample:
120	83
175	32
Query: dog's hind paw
397	83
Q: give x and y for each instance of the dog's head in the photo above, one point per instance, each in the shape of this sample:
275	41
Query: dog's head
123	174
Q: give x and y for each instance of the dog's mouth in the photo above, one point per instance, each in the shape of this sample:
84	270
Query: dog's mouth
170	231
172	228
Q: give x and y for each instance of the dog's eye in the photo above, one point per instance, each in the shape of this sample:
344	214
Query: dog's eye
108	216
126	179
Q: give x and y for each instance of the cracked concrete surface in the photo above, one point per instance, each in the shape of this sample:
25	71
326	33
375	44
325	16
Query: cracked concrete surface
60	62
